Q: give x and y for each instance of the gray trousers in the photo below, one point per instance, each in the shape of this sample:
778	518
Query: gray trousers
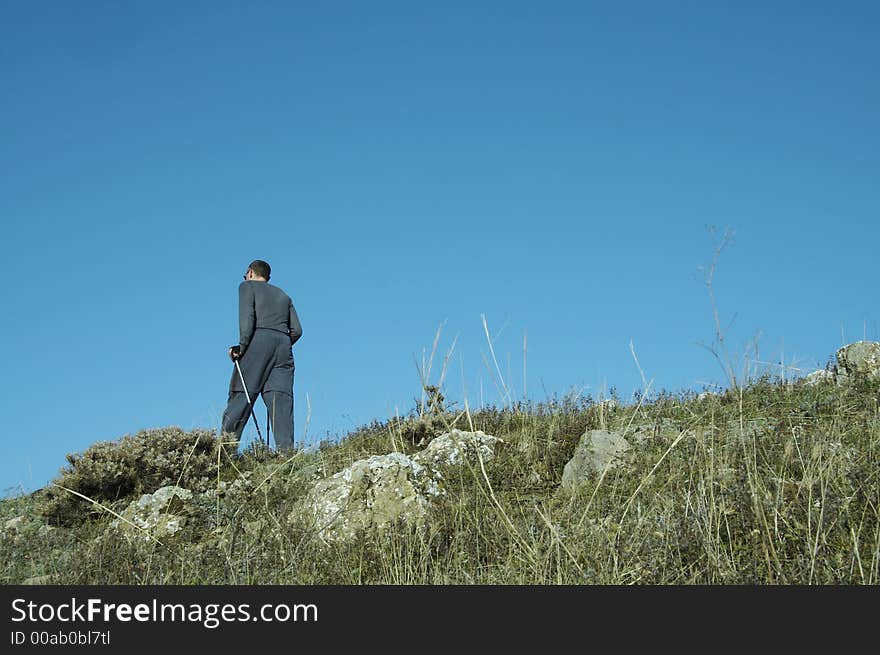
267	367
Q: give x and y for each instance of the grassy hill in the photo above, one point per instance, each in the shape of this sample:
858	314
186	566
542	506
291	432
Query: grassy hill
772	484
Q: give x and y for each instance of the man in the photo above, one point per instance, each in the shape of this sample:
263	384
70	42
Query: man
268	328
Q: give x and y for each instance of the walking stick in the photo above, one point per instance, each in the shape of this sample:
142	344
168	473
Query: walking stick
250	404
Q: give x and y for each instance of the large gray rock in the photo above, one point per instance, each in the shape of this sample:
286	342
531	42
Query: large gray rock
372	494
154	516
456	446
860	360
596	450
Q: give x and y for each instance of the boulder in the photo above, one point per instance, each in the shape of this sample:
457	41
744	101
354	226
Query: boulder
156	515
596	450
456	446
372	495
818	377
860	360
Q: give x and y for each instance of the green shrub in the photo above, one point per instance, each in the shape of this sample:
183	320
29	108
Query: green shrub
110	471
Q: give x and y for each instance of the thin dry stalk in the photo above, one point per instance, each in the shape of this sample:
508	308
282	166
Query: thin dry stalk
495	359
648	477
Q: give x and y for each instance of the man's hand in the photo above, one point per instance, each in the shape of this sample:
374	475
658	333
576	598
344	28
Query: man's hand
234	352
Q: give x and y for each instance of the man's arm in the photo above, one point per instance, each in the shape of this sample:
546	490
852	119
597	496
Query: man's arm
294	325
247	315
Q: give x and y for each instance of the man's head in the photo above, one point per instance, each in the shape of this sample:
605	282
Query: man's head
258	270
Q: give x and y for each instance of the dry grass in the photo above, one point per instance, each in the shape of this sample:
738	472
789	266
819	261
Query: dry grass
770	484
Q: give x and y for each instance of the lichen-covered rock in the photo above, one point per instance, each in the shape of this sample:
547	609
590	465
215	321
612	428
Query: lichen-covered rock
860	360
232	490
372	494
13	524
156	515
456	446
596	451
818	377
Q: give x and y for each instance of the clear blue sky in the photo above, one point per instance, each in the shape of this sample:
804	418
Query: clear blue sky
552	166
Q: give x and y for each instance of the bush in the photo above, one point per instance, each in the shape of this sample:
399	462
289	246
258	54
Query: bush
109	471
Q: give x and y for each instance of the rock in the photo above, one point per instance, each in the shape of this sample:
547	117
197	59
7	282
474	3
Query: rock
231	491
608	405
156	515
455	446
860	360
372	494
818	377
706	395
596	450
13	525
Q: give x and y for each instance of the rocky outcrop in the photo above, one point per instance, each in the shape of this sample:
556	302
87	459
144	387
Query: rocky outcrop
376	493
859	360
456	446
596	451
154	516
372	495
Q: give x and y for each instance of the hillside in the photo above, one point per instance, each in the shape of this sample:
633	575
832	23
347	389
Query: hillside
770	483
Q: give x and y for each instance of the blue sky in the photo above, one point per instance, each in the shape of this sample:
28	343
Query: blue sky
402	166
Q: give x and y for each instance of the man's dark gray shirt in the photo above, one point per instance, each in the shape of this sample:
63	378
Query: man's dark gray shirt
263	305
